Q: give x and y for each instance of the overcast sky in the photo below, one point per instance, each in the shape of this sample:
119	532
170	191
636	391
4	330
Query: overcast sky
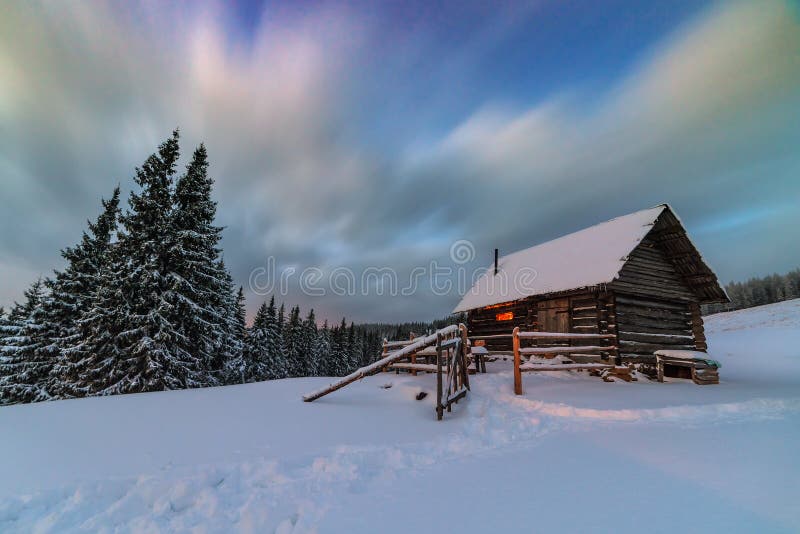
355	134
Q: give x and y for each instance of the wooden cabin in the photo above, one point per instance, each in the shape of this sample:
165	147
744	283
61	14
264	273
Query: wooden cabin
638	277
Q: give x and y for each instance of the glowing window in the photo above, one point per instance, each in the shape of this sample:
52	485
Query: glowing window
507	316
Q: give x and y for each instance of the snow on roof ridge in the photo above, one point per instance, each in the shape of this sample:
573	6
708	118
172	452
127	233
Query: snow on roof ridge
591	256
596	225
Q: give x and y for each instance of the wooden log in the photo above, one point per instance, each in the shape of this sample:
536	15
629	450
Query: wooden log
565	350
427	367
560	335
645	270
641	322
647	303
667	339
648	348
642	360
497	336
651	289
653	311
533	367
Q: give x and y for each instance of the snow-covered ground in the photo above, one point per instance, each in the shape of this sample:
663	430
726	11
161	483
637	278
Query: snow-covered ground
574	454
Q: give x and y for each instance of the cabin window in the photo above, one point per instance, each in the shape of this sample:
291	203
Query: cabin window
507	316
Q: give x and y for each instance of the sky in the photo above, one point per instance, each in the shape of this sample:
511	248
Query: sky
357	137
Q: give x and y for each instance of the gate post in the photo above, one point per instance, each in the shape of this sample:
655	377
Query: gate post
439	407
517	363
464	349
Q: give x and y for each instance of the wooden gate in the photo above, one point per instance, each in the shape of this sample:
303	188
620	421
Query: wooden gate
451	355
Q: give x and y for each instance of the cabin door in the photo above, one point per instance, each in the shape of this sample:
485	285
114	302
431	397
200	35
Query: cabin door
553	315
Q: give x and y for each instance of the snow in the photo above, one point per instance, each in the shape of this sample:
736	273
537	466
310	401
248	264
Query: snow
586	258
573	454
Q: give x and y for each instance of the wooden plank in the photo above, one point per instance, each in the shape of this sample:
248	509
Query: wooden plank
668	339
624	319
532	367
566	350
648	303
649	348
653	291
427	367
562	335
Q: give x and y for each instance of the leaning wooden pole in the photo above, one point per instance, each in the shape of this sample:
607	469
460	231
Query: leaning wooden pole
517	363
376	367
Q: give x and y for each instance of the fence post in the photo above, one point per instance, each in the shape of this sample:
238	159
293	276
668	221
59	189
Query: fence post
517	363
464	349
439	407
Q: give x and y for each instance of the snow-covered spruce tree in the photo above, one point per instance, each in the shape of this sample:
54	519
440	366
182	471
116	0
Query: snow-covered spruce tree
279	354
134	342
338	360
257	346
353	349
292	342
308	345
24	370
235	362
275	361
72	295
199	285
322	351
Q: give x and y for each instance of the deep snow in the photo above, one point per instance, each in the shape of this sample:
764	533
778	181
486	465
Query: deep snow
573	454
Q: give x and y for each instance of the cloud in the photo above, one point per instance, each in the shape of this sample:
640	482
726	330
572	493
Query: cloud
292	115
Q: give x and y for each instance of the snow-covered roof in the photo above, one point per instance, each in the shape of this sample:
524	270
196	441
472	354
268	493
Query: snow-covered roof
586	258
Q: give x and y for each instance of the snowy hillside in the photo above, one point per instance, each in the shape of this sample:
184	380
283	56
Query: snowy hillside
573	454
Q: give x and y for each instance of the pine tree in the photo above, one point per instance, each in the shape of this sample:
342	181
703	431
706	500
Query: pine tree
280	343
235	363
135	340
338	360
308	346
353	349
322	351
72	295
292	339
24	370
257	346
199	282
275	362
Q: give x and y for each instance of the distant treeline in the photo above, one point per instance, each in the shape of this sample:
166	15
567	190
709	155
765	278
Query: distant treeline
758	291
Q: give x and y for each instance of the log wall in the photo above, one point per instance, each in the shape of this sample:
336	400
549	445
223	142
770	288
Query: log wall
645	325
648	272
